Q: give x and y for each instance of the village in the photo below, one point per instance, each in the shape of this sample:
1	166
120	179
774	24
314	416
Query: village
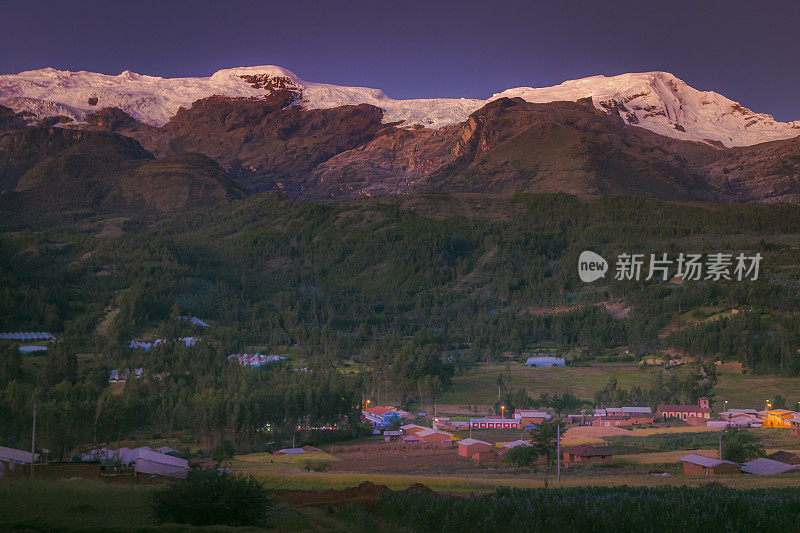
430	445
395	425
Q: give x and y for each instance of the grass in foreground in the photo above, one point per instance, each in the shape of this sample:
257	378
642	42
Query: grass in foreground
707	509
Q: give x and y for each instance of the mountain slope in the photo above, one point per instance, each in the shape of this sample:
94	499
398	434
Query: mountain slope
45	171
657	101
511	146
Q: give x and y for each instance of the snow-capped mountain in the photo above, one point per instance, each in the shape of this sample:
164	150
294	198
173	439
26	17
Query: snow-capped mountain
657	101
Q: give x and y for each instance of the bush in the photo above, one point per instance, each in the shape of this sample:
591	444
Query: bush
223	452
231	500
522	456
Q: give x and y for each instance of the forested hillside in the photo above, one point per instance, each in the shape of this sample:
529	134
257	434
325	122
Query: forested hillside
410	288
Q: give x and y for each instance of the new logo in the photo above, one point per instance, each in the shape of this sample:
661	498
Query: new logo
591	266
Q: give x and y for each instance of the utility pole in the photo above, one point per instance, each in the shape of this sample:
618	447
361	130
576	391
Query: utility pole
558	453
33	439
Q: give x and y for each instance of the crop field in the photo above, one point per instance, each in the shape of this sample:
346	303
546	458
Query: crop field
595	509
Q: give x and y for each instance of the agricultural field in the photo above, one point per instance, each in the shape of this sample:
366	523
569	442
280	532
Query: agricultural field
636	456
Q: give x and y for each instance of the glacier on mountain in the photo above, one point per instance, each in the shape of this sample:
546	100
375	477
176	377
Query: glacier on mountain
657	101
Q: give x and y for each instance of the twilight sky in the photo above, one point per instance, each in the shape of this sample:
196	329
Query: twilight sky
746	50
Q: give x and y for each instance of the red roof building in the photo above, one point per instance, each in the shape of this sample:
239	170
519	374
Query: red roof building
702	410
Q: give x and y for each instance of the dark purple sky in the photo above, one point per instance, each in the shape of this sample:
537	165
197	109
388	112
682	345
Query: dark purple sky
747	50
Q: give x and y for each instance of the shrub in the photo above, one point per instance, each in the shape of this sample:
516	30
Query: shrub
231	500
223	452
522	456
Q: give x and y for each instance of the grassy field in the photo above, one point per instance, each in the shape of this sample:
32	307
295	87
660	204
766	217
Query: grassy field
83	505
478	387
747	390
479	483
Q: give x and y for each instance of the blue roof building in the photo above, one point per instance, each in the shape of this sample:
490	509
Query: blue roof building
545	361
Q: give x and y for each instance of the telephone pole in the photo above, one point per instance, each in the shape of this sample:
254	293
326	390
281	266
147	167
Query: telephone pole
33	439
558	453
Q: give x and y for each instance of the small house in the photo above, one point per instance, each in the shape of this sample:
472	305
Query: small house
469	447
700	465
530	417
612	421
485	457
412	429
794	425
586	454
381	416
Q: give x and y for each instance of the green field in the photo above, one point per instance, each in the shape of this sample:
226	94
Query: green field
747	390
479	386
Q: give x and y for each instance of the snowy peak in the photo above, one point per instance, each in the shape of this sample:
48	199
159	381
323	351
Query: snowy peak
665	104
657	101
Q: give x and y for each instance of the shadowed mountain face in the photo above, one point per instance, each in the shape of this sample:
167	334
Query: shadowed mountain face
508	146
511	146
263	143
60	170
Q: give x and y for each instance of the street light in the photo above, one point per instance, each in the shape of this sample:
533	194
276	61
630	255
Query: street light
721	433
503	410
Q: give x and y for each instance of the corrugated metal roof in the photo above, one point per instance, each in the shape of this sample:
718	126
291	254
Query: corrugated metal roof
28	336
785	457
429	431
516	443
765	467
702	460
471	441
545	360
290	451
638	410
15	456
